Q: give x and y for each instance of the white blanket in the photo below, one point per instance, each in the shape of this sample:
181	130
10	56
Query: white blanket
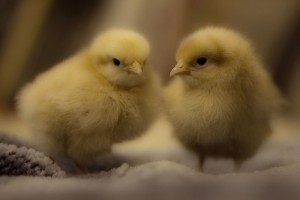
158	168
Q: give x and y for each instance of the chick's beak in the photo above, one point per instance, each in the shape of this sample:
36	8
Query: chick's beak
135	68
179	68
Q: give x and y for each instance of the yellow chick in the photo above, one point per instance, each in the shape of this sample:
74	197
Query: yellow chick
222	99
106	94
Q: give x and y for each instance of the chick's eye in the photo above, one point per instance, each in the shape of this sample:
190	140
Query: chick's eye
116	62
201	61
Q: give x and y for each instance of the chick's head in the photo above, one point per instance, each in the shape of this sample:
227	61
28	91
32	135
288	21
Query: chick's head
121	57
212	55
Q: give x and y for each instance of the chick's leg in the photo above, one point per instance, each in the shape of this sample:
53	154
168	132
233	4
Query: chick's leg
82	168
237	165
201	160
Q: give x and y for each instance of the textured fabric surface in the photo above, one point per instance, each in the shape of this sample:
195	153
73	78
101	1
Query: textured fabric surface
157	170
18	159
158	180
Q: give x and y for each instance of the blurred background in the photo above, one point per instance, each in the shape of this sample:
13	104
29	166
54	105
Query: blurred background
36	34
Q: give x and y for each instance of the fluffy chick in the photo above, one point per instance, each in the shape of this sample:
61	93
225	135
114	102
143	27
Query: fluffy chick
222	99
105	94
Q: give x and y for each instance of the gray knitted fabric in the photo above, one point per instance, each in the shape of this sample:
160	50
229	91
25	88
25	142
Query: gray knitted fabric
16	159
